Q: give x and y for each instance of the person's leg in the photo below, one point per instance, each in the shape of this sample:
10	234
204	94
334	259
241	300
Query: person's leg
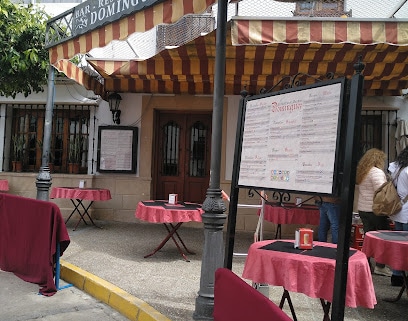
366	218
370	223
333	214
380	222
324	223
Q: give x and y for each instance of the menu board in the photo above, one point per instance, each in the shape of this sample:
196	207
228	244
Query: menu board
289	140
117	149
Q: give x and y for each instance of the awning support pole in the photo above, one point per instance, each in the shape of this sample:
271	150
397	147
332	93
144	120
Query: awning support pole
213	206
43	182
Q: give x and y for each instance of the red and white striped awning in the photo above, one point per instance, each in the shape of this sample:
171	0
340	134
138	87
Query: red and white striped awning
322	31
259	53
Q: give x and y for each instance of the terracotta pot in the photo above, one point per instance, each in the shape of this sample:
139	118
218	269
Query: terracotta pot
19	166
73	168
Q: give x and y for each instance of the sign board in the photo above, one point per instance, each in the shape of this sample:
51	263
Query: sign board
92	14
117	149
290	139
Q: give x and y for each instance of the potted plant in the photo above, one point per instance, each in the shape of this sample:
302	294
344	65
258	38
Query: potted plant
51	155
18	152
75	150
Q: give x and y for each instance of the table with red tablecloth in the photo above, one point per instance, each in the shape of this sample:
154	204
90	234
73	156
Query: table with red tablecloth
32	232
390	248
288	213
77	196
172	216
311	272
4	186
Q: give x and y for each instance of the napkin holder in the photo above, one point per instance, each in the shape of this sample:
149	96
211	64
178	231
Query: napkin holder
303	239
82	183
173	199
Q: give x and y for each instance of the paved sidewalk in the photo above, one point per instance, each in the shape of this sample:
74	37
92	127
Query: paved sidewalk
109	263
20	301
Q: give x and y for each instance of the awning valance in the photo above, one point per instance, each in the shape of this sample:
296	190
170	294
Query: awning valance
324	31
165	12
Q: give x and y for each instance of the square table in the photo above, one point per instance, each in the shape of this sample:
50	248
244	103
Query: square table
311	272
172	216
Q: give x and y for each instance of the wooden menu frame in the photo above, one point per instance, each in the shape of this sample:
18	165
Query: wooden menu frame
117	149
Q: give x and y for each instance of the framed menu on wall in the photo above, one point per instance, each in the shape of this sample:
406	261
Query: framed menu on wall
117	149
290	139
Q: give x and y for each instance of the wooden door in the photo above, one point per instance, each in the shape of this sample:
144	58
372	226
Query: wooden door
182	156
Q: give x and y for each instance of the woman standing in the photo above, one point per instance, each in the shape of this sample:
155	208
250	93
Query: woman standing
401	218
370	176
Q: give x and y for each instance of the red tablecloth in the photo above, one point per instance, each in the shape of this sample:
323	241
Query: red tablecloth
29	232
291	214
299	271
162	212
4	185
388	247
88	194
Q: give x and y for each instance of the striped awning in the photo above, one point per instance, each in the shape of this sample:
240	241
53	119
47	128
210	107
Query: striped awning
262	52
166	12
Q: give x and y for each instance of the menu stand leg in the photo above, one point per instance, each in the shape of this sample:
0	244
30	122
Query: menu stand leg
170	234
404	286
326	309
286	296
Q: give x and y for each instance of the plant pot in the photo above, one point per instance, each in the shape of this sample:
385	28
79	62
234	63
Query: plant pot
73	168
18	166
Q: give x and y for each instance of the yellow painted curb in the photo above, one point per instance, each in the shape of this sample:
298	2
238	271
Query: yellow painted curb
126	304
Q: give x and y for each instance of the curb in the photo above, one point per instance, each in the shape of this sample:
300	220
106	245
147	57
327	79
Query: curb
126	304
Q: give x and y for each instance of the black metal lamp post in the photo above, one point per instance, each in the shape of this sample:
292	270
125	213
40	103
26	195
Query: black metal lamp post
114	102
43	181
213	206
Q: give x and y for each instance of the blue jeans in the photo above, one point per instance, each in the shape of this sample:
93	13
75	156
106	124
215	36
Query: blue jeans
399	227
329	219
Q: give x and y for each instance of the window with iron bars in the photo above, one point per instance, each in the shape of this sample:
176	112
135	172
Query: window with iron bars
69	137
377	131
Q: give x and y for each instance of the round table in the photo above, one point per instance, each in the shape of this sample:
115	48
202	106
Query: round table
391	248
77	196
162	212
291	214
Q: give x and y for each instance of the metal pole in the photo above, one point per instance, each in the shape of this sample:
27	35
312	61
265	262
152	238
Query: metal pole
233	204
351	150
43	182
213	206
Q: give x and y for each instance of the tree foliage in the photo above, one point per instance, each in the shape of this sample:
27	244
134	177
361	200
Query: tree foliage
23	58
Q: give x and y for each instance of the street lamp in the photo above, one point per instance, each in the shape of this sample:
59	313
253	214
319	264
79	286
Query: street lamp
114	102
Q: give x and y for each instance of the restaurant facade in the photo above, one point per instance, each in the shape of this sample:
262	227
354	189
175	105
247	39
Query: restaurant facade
166	97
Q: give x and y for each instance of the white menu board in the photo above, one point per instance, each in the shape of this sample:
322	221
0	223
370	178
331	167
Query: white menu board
290	140
117	149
